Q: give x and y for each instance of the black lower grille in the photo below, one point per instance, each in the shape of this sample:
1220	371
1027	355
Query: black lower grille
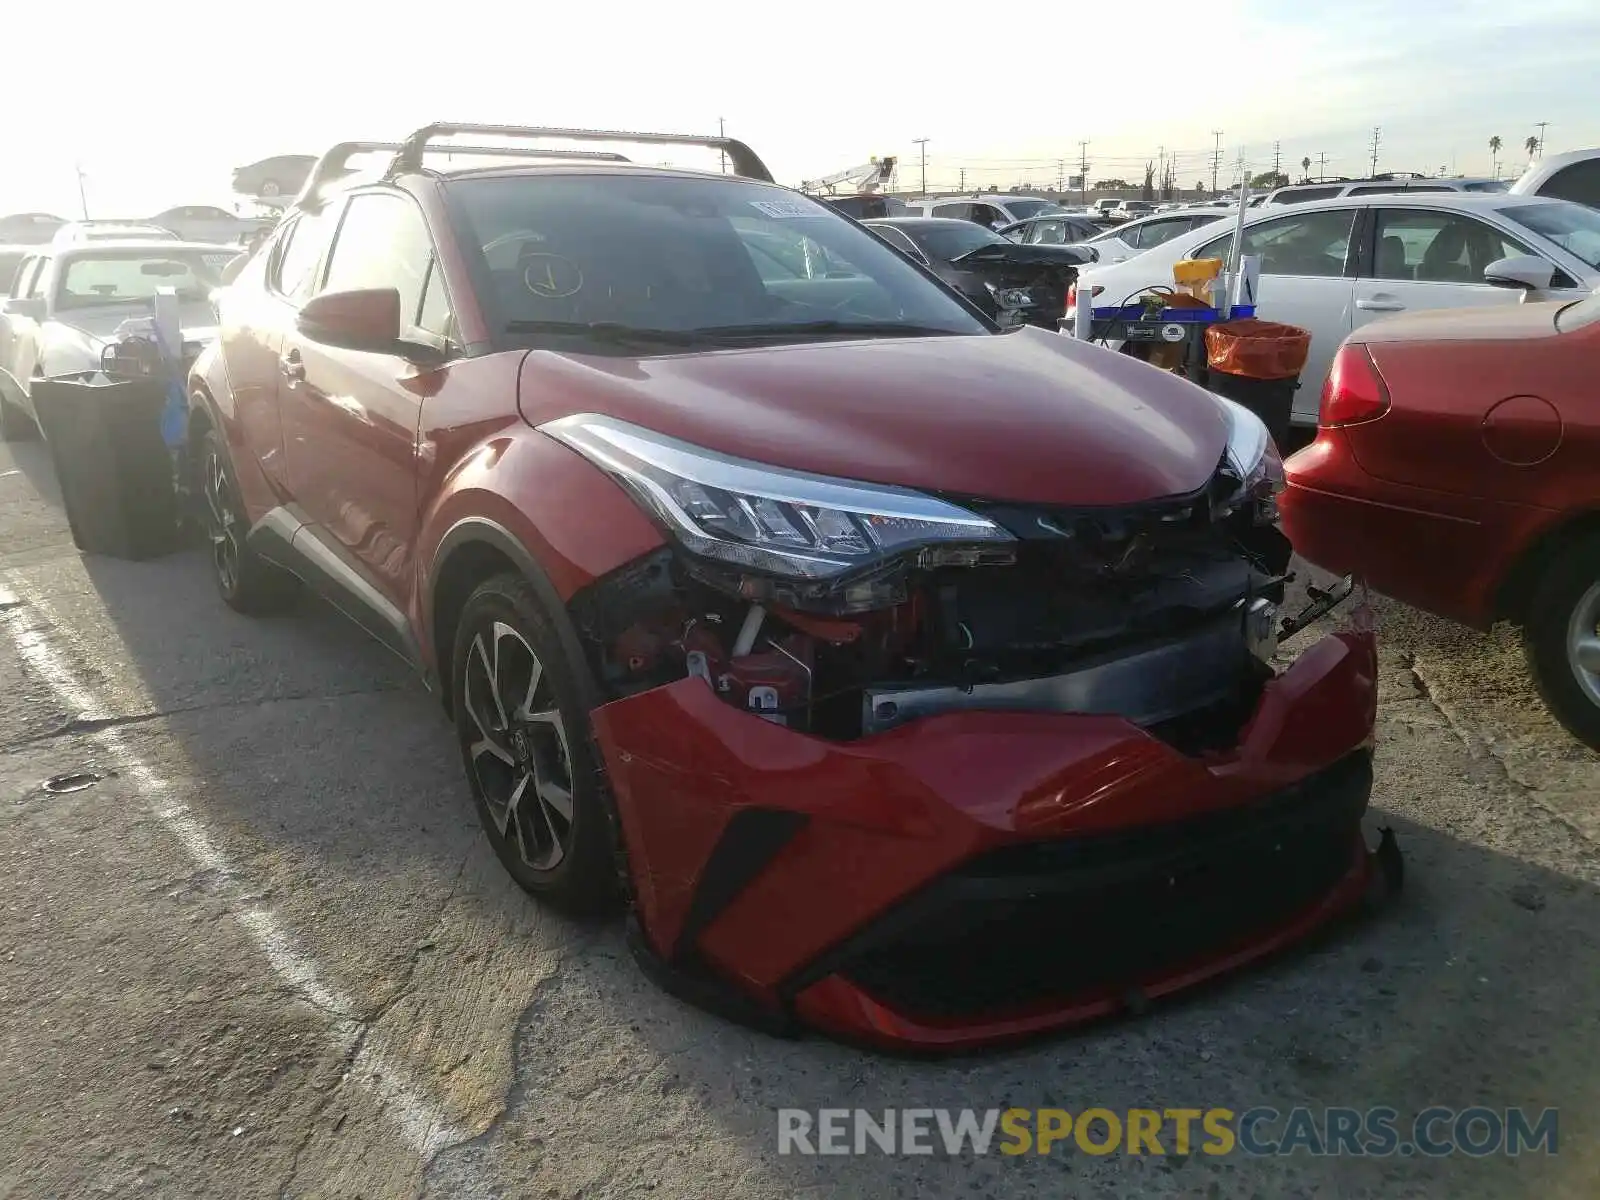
1053	920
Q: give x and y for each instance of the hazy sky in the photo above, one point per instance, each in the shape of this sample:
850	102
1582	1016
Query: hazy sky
169	95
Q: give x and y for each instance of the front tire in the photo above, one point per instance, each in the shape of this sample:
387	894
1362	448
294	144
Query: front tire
246	582
525	743
1562	639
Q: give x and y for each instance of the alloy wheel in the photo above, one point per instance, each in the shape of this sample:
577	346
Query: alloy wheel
222	522
1583	642
518	748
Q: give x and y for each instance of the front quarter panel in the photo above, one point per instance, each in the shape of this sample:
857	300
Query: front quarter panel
482	463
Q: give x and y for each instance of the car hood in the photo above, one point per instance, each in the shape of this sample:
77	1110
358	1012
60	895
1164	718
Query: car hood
1030	416
96	326
1496	323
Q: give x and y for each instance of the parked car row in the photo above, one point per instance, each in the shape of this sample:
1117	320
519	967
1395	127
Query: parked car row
1332	266
1012	283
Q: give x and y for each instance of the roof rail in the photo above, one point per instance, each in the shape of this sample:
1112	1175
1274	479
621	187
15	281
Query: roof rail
745	160
333	164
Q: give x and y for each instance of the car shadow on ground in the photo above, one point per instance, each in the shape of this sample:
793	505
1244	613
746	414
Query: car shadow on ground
1481	987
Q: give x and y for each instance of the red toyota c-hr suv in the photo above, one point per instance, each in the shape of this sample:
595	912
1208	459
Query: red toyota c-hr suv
906	677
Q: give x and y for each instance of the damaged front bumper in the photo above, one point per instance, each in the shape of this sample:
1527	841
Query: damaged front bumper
972	877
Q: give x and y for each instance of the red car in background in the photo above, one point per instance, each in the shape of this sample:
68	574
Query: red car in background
1457	467
910	678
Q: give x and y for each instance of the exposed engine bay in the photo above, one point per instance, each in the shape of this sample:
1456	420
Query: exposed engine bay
1164	613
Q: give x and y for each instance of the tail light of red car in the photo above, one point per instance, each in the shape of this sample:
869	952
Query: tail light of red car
1072	295
1354	391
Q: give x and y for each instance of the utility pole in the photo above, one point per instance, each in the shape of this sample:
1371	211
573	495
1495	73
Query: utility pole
83	198
1061	175
1083	179
1541	126
722	131
1216	159
1277	160
963	186
1377	137
1322	165
923	142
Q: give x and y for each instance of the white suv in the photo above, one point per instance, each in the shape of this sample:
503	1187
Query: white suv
984	208
1300	193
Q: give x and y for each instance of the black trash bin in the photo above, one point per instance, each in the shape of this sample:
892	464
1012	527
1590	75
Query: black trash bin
1270	399
115	471
1257	364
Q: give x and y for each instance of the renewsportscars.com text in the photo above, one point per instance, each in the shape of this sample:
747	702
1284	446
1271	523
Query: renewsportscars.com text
1434	1132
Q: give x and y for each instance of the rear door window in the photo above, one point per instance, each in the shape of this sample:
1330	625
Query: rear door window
1314	244
1579	182
961	212
1047	233
1301	195
292	273
900	242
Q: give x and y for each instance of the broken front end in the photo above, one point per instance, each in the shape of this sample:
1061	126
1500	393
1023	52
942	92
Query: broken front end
930	773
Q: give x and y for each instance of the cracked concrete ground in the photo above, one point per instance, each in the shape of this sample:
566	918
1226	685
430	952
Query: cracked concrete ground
265	952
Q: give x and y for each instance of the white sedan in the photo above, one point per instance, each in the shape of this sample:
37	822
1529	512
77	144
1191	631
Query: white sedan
1331	266
67	302
1122	242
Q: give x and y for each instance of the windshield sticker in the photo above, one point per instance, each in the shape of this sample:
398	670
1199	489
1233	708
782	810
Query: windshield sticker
785	208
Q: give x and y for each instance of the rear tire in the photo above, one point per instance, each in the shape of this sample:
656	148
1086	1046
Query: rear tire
1561	639
246	582
527	749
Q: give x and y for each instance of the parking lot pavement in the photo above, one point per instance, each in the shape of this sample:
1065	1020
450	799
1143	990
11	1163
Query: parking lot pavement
252	944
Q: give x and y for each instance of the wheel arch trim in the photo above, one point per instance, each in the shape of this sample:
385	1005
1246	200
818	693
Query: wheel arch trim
478	530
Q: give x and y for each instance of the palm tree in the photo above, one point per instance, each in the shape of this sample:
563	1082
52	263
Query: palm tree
1531	145
1494	153
1305	165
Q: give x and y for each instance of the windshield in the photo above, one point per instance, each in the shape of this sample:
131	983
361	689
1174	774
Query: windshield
1488	185
1573	227
1023	209
89	281
605	254
952	240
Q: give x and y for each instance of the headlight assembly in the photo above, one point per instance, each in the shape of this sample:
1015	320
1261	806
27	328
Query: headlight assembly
1253	457
775	521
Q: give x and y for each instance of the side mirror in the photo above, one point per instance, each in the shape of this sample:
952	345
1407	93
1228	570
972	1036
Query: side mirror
32	308
1525	271
364	319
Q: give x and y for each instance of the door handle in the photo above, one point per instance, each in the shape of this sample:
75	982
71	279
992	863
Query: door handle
1381	305
291	368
